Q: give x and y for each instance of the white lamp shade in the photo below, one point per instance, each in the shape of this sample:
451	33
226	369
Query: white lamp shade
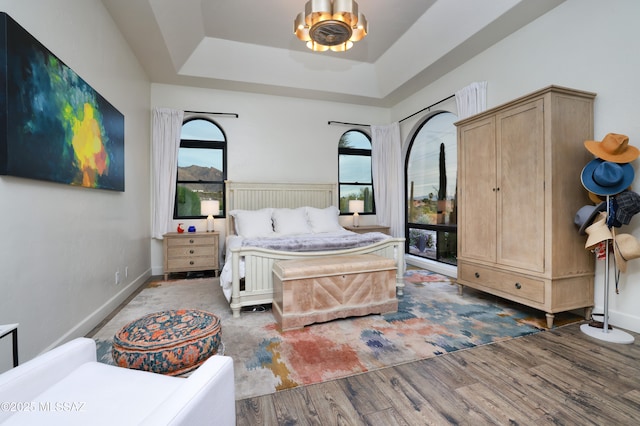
356	206
209	207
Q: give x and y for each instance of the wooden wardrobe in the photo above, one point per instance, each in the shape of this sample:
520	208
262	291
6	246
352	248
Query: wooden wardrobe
519	189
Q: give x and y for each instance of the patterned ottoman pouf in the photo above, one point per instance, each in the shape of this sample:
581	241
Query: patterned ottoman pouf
168	342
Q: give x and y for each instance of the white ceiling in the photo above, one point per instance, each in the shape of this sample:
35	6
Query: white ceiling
248	45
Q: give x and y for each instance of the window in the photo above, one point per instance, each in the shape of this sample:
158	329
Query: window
202	165
354	171
431	182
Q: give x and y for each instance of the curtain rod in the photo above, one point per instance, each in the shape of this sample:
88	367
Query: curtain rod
347	124
213	113
400	121
429	107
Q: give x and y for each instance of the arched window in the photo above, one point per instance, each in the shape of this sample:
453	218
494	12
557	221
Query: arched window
431	182
202	166
354	171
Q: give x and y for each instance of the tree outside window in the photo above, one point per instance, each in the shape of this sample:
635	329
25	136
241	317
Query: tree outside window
431	182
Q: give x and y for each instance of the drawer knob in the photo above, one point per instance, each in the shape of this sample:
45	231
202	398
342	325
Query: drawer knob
191	262
191	241
190	251
518	286
477	275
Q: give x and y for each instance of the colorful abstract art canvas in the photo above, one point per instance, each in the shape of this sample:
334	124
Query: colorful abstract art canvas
53	125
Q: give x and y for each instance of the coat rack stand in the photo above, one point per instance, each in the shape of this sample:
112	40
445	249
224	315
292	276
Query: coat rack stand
613	335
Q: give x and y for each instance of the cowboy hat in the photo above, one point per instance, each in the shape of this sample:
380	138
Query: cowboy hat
625	248
585	216
606	177
598	231
614	147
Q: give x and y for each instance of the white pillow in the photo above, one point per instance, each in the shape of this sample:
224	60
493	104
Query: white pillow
290	221
253	223
324	220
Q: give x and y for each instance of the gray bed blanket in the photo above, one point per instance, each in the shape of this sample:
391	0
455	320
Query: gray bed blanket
302	243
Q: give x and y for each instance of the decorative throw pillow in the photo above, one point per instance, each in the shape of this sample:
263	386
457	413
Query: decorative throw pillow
290	221
253	223
324	220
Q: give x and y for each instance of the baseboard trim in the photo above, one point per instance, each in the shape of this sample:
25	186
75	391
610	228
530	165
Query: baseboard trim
90	322
620	320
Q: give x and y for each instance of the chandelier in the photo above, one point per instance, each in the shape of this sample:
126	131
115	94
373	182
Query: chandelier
330	24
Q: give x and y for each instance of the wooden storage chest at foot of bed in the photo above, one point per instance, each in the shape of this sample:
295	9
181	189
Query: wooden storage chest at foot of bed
320	289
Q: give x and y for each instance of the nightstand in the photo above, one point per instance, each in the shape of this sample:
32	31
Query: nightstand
190	251
368	228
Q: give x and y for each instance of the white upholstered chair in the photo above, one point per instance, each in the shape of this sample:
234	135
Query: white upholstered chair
67	386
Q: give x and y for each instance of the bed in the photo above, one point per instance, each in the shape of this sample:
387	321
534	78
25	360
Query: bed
246	277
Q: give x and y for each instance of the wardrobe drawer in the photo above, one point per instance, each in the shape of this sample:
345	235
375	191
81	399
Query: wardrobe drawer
502	282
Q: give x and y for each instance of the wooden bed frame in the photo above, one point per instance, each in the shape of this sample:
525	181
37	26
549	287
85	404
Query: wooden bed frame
258	262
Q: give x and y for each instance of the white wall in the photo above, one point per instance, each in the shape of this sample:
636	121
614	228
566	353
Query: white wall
61	245
584	44
275	139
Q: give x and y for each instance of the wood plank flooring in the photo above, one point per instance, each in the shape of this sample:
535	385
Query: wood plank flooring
557	377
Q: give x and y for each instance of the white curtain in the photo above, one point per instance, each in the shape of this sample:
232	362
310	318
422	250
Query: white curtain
165	143
471	99
386	167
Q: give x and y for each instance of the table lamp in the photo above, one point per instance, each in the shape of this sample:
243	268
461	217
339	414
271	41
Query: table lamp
356	207
209	208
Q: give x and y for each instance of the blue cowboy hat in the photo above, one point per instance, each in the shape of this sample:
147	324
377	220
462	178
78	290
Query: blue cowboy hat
606	177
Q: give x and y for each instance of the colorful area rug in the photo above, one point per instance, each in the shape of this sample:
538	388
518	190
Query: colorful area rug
432	320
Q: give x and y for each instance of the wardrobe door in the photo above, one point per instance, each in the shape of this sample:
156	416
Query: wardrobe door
520	198
477	183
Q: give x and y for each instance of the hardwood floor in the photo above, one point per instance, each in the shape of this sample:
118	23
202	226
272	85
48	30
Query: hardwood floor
557	377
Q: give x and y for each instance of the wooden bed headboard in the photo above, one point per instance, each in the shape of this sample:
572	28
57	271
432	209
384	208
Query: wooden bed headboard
259	195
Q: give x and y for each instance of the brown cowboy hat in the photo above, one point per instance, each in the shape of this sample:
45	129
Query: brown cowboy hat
595	198
614	147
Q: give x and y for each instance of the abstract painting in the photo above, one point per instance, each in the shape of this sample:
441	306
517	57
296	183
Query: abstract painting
53	125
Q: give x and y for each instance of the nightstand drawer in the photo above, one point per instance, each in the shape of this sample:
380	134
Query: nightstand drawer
190	240
190	251
196	263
